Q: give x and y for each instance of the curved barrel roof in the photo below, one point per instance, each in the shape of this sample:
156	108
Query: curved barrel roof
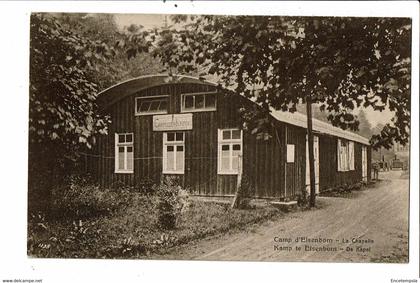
119	91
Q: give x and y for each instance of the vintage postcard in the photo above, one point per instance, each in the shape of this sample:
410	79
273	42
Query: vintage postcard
220	137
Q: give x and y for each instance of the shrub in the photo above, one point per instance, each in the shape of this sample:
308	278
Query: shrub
38	229
303	198
81	198
171	201
165	240
357	186
145	186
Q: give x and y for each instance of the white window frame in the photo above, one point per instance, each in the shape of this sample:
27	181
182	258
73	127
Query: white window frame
212	108
125	145
345	155
342	151
230	142
173	143
351	156
137	99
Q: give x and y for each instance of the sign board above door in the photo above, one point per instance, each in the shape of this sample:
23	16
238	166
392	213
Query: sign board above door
172	122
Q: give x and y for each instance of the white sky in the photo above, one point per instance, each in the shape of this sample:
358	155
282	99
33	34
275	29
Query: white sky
149	21
376	117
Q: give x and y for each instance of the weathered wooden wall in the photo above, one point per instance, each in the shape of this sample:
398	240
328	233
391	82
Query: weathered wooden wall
328	168
147	143
295	172
264	161
263	165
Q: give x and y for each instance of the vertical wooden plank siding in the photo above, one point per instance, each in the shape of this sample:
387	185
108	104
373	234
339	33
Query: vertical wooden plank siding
264	161
295	178
330	177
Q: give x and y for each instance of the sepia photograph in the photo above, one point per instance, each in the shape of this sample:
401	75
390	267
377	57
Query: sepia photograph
210	137
209	141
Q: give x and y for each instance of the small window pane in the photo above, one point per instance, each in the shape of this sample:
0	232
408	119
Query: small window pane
226	135
235	163
170	159
236	147
121	149
170	148
144	106
129	138
171	136
235	156
121	158
179	160
179	148
189	101
163	105
225	163
210	100
236	134
130	158
121	138
154	106
225	147
179	136
199	101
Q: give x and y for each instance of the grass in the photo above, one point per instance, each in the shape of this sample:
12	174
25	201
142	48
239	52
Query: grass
131	230
345	191
349	191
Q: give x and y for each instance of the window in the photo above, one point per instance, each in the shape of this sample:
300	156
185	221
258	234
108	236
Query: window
198	102
152	105
229	151
345	155
124	153
173	153
351	155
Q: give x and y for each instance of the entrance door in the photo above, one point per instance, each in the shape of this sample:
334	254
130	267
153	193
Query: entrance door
316	165
364	163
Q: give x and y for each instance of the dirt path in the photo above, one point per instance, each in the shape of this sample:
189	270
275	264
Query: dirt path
372	226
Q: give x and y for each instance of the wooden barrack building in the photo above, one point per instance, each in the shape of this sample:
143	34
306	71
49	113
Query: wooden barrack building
186	127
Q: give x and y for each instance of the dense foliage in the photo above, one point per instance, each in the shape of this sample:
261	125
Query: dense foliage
340	63
72	58
62	91
63	115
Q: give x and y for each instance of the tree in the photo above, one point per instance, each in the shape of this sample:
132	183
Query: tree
100	27
340	63
103	28
343	63
63	115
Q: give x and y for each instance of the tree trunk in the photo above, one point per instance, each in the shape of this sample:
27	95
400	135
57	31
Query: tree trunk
237	199
310	150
